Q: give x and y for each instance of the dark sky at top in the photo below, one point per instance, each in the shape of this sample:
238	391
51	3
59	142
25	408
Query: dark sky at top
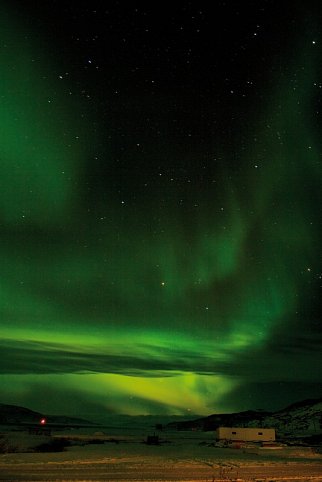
160	205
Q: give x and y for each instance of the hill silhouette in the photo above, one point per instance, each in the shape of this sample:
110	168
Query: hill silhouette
14	414
302	418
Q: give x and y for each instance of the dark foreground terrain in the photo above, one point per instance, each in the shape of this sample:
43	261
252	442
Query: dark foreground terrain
179	457
153	471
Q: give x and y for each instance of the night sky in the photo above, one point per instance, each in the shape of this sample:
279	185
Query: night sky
160	203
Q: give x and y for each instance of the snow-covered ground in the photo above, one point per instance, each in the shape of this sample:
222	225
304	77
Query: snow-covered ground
123	456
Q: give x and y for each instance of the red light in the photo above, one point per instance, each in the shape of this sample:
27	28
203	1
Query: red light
42	421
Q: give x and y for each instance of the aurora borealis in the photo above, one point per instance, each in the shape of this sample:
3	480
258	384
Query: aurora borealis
160	206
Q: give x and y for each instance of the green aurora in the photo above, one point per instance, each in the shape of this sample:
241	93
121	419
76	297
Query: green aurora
169	299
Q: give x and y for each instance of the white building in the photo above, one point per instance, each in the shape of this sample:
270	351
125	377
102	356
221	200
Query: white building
246	434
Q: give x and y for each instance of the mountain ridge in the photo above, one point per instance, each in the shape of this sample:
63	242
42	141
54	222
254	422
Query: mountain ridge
15	414
302	418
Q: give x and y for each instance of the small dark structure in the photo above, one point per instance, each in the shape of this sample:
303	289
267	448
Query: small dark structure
152	440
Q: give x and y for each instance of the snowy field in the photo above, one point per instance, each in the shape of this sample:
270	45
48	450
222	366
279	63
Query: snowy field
122	455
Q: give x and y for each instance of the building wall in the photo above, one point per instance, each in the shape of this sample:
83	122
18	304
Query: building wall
246	434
